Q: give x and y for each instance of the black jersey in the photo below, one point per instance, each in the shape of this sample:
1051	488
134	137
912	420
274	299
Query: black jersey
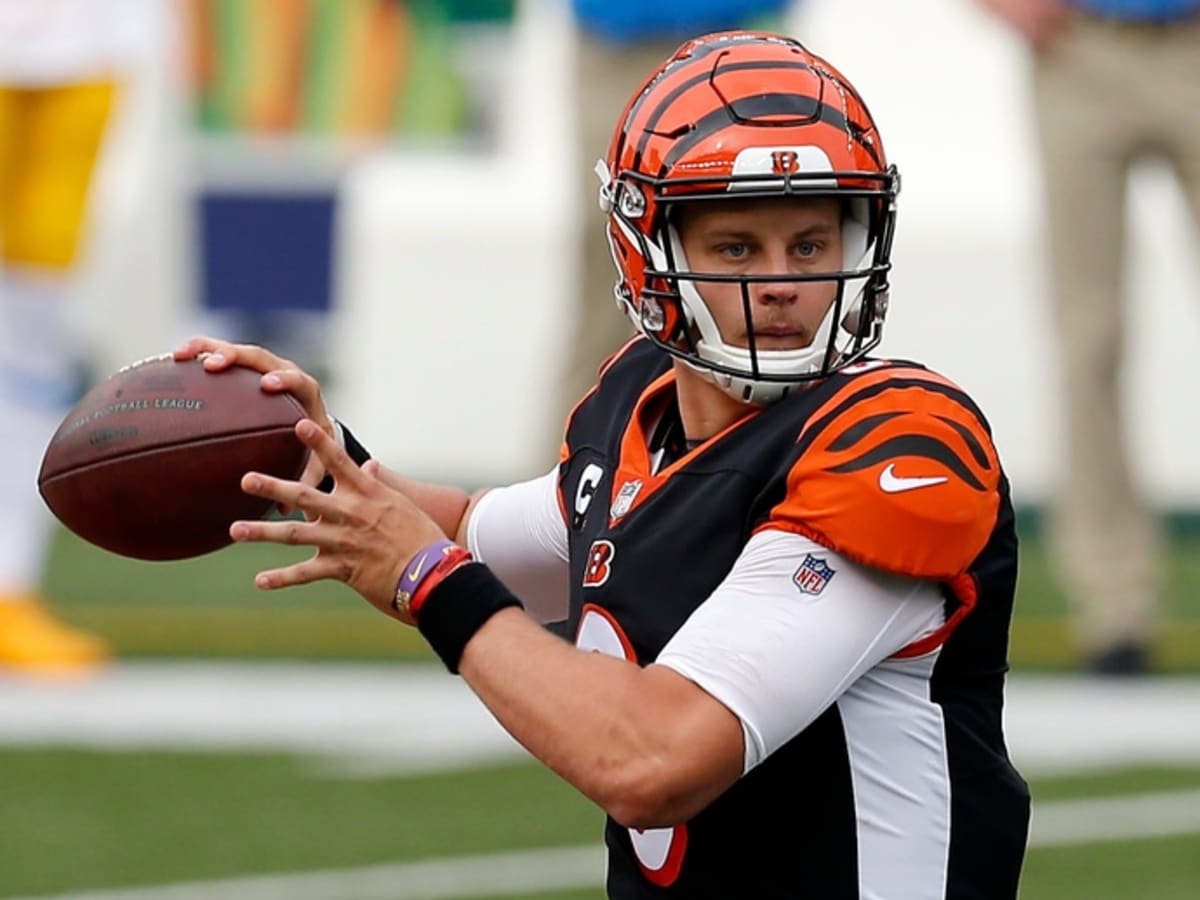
832	463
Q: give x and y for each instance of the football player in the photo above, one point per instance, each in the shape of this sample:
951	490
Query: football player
785	566
60	70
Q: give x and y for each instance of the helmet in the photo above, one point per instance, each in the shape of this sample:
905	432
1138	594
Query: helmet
746	114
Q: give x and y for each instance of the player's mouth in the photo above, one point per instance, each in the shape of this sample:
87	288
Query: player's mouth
780	337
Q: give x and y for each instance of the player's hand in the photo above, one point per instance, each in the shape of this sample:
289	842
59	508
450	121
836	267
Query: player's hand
365	532
278	375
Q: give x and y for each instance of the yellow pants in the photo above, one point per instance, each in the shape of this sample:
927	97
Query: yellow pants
49	140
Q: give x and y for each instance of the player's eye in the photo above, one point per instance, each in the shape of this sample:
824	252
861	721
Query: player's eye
808	249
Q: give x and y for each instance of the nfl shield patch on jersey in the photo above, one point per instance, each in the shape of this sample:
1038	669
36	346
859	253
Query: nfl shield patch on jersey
625	497
814	573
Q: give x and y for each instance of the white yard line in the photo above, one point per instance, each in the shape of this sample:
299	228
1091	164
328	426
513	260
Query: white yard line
377	720
1096	819
566	868
1063	823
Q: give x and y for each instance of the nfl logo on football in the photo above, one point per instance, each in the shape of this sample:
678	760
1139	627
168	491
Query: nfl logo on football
625	497
813	574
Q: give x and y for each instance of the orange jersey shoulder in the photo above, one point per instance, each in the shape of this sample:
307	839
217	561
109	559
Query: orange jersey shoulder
897	470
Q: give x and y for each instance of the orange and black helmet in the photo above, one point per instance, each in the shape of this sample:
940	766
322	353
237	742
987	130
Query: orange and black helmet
747	114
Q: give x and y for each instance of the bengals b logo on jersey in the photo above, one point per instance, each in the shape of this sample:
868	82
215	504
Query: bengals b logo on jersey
599	563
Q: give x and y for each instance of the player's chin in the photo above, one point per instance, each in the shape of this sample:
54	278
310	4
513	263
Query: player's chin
779	342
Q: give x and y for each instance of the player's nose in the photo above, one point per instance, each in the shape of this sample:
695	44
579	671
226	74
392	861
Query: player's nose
777	265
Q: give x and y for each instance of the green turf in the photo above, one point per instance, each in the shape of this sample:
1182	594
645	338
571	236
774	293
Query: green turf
86	820
1159	869
1113	783
83	819
210	607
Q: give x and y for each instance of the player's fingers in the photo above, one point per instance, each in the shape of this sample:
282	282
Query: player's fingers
294	532
218	355
191	348
317	568
336	460
292	495
314	470
302	386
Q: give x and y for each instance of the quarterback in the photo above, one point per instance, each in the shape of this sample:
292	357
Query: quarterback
784	564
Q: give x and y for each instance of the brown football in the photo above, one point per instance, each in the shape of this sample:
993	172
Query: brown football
149	463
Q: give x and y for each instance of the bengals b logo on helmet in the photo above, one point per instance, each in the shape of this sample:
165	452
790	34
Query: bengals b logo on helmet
785	162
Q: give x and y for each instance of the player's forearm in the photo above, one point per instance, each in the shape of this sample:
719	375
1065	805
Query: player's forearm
646	745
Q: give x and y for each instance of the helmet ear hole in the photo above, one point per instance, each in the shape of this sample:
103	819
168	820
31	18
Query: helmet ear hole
661	316
869	307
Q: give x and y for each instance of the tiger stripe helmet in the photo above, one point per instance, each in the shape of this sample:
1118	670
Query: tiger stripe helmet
747	114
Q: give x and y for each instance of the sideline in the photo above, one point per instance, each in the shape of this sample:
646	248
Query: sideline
1059	824
353	717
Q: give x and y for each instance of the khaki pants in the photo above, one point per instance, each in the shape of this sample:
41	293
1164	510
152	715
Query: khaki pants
606	76
1107	95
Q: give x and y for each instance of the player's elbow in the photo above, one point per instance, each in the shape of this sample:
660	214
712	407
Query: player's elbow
649	794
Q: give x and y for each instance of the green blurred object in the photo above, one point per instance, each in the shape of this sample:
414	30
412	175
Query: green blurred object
244	87
435	100
209	607
472	11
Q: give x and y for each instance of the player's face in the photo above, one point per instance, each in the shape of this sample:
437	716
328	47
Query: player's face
771	236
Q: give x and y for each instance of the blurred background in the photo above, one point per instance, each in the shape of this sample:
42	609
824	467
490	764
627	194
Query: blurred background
386	191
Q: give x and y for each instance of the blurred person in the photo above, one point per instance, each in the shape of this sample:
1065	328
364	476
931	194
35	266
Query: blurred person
618	41
60	68
1115	83
787	565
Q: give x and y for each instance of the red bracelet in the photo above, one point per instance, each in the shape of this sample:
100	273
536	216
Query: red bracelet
422	574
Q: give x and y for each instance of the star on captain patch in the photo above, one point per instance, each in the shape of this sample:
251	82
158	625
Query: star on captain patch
814	573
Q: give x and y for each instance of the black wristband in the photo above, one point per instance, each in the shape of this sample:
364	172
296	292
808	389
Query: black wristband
356	451
458	607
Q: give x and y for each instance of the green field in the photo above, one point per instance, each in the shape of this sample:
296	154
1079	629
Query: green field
209	607
88	820
76	820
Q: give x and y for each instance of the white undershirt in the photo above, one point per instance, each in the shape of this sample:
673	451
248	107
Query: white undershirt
519	532
774	655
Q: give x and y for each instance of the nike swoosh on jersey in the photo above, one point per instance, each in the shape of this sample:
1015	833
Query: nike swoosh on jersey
891	483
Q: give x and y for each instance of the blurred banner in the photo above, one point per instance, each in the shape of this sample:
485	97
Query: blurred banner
285	95
378	68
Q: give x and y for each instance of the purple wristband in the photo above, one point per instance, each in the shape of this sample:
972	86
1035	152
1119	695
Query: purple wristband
423	562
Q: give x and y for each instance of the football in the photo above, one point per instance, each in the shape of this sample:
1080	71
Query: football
149	463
